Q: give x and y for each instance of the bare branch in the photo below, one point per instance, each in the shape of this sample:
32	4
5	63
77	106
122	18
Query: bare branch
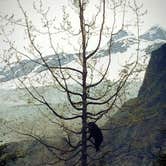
100	33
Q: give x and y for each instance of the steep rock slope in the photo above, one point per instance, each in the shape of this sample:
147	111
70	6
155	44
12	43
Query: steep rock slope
138	131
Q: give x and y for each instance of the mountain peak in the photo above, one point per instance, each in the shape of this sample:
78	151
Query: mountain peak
154	33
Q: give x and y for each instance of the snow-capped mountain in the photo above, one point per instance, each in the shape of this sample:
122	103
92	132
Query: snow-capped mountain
154	33
25	67
123	43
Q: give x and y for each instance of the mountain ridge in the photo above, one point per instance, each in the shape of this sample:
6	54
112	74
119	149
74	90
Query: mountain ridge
154	33
122	42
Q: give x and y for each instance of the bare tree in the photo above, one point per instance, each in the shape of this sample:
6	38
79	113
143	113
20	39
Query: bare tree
92	87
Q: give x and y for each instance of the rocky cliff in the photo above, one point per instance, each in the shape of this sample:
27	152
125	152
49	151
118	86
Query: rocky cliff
137	133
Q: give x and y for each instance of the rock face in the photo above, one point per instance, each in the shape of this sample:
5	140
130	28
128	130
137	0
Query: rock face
155	78
138	131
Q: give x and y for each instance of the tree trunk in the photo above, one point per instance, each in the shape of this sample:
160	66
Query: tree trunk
84	141
84	87
84	113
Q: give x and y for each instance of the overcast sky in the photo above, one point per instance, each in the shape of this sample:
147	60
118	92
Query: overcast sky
156	10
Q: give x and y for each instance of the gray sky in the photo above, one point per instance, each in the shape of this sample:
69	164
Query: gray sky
156	10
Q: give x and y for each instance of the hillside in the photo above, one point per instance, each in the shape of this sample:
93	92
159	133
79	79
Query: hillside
137	132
